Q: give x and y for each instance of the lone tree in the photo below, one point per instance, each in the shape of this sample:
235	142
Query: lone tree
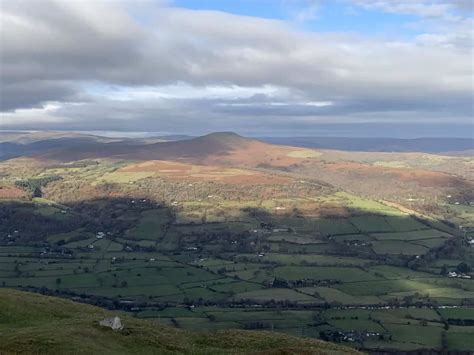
463	268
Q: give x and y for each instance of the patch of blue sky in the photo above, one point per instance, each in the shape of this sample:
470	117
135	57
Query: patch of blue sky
330	16
271	9
333	17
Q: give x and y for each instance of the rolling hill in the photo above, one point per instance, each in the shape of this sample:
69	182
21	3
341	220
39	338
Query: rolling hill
223	148
32	323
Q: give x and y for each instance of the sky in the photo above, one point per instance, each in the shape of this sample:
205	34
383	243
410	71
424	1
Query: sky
385	68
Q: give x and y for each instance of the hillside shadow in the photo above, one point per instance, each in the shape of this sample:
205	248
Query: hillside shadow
361	234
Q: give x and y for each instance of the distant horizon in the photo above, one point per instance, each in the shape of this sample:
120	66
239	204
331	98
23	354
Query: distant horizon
150	134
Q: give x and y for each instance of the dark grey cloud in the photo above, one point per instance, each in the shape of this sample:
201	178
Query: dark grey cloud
193	117
255	115
47	47
31	93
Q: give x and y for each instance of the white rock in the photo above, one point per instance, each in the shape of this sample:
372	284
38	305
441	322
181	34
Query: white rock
114	323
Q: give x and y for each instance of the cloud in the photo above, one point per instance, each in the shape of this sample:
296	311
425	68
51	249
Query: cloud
303	10
48	46
420	8
162	66
32	93
424	8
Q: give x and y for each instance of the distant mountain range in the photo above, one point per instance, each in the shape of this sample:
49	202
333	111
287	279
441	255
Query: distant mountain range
435	145
425	145
76	147
80	146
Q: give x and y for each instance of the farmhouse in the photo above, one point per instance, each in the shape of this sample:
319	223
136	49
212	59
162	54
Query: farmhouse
461	276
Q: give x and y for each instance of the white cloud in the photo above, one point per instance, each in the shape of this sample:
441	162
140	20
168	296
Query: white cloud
303	10
421	8
184	91
424	8
45	114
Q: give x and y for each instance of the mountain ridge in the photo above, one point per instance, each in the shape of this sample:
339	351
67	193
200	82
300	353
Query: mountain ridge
197	149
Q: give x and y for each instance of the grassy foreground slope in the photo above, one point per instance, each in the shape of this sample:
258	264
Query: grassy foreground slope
32	323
